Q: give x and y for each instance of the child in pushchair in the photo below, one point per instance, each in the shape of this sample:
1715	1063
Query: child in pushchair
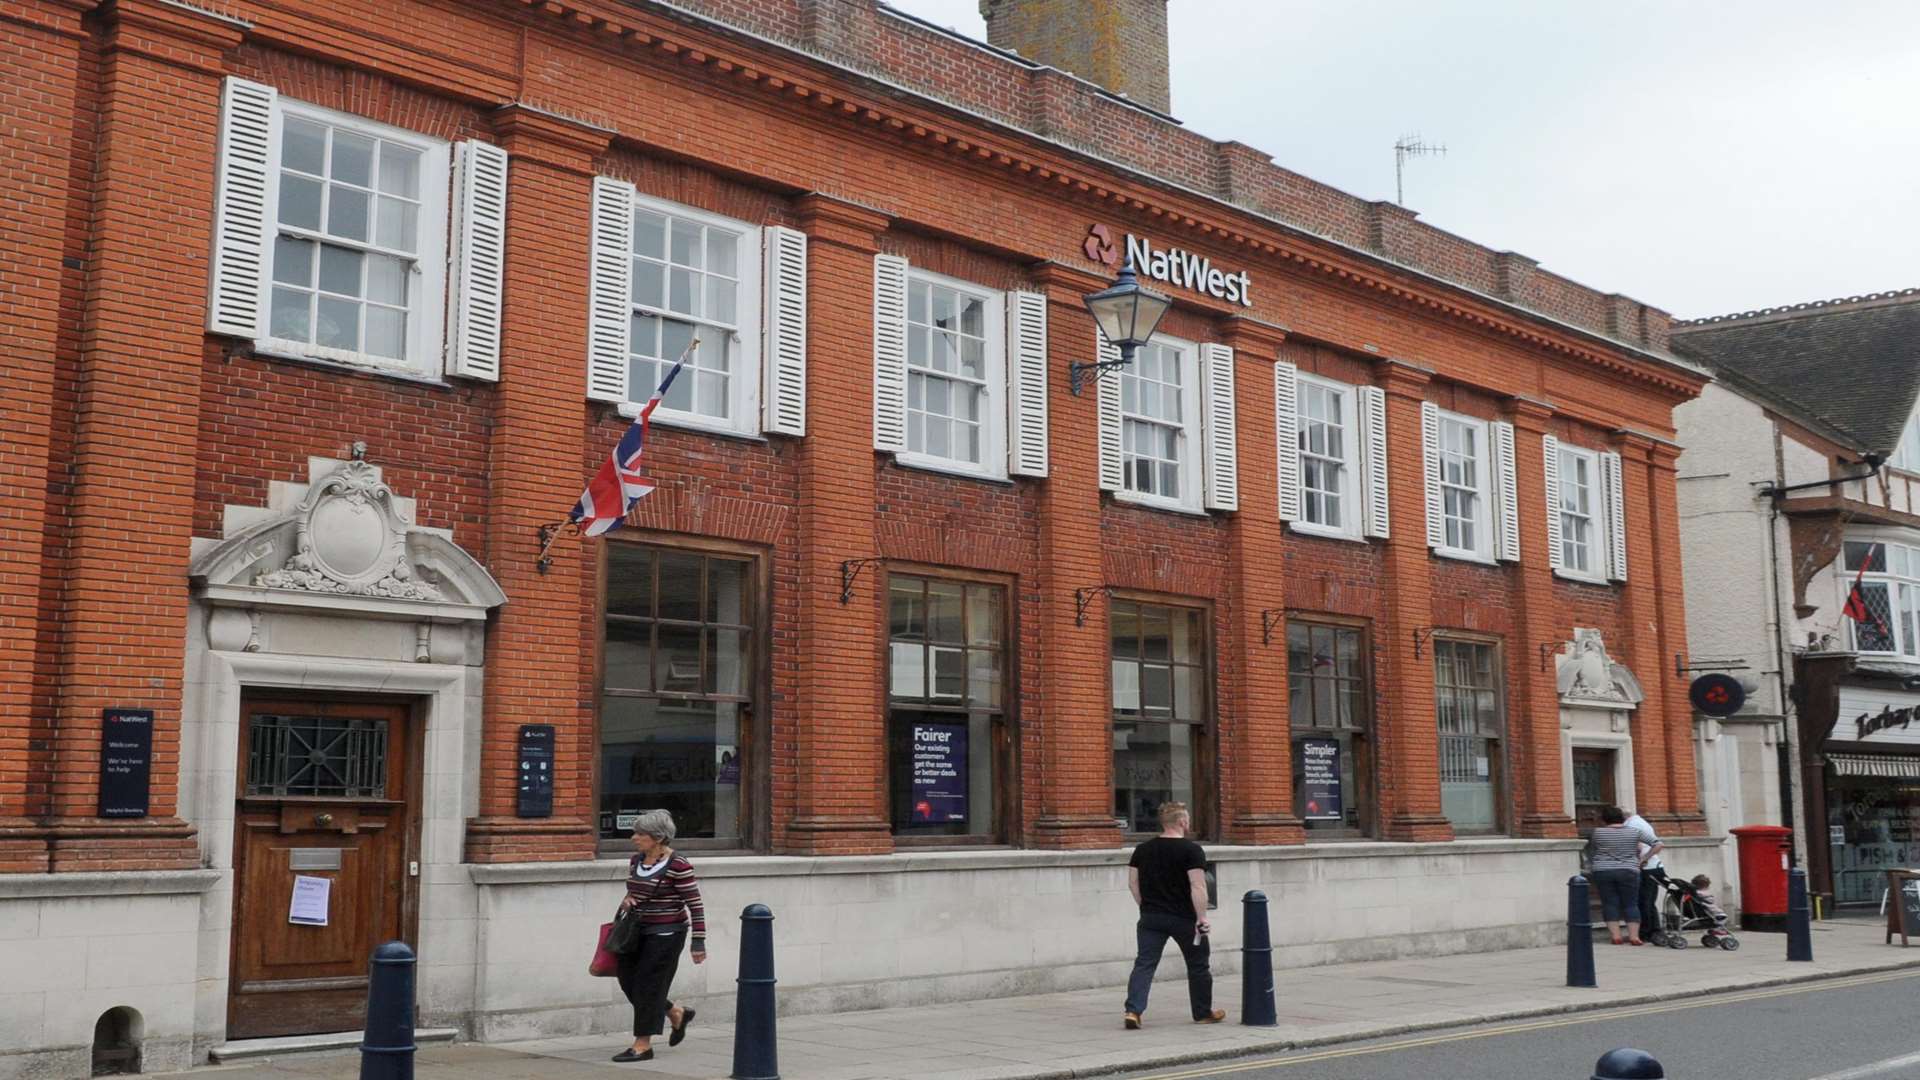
1689	906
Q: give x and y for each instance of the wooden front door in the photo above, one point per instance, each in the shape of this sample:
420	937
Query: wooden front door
1592	786
324	870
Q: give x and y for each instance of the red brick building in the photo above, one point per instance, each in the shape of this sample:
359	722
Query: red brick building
318	312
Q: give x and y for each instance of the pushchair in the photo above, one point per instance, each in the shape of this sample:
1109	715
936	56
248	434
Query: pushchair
1682	913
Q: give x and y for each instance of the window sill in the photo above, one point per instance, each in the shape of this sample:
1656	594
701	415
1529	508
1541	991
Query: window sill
631	411
290	353
1465	556
1308	528
908	460
1149	502
1582	579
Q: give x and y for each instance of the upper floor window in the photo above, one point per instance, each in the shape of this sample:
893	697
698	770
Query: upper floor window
1329	457
956	374
694	275
1583	524
1465	479
1907	454
1160	424
358	241
1890	590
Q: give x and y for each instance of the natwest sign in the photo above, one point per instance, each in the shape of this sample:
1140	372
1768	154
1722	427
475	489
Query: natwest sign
1175	266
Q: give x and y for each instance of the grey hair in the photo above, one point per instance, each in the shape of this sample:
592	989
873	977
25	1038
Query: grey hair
657	824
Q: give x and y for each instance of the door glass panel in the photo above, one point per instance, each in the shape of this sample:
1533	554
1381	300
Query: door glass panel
323	756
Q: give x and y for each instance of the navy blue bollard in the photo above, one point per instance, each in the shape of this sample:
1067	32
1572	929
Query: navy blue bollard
1579	934
386	1049
1256	964
1628	1064
755	1053
1800	917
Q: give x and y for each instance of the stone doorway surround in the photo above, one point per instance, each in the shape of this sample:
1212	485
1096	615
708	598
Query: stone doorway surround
332	588
1597	698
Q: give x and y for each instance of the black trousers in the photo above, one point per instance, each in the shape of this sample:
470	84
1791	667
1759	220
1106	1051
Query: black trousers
1152	933
646	974
1650	879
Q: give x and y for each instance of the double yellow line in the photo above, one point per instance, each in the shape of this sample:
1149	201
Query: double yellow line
1540	1025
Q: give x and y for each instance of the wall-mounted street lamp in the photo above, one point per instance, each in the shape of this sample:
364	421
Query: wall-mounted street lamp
1127	313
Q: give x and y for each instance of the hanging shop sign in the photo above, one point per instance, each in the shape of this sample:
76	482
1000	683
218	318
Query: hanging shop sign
126	762
1175	266
939	773
1717	694
1320	779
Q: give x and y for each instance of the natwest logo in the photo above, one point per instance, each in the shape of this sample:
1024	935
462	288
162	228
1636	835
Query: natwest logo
1100	247
1176	266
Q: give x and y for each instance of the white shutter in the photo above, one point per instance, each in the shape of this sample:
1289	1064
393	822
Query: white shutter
240	209
784	336
1106	386
1507	484
611	300
1372	409
889	352
1430	447
1616	517
1556	558
479	259
1286	427
1026	384
1222	458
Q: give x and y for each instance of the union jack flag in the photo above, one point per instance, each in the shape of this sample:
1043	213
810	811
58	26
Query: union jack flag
1856	606
618	484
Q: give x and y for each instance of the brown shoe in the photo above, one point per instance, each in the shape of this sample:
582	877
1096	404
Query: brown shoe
1213	1018
1132	1021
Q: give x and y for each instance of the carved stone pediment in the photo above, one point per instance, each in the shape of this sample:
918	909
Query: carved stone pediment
345	535
1587	675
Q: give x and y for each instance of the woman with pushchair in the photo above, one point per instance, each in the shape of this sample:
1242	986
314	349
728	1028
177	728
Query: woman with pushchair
1614	858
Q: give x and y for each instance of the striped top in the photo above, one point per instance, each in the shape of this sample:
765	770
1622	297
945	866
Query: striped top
668	895
1617	847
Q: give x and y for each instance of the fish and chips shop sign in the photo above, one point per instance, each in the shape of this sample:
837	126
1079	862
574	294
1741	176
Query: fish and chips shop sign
1172	265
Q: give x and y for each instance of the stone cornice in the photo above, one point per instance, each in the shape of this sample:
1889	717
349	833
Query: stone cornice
802	82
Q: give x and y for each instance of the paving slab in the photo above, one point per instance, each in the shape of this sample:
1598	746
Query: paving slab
1049	1036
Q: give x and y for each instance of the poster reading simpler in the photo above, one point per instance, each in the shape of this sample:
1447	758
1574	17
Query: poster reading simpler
939	773
310	900
1320	779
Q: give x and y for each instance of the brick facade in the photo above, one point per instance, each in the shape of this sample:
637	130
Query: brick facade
130	429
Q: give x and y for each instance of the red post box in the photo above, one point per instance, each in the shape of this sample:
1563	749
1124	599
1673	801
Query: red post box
1766	851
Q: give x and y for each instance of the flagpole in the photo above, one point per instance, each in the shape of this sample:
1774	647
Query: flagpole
548	534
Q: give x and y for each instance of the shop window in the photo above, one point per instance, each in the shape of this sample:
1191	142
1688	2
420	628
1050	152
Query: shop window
1160	709
1330	699
1890	589
1160	425
1874	816
677	690
956	376
1467	682
947	706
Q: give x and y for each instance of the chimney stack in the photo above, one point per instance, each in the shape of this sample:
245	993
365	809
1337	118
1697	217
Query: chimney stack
1120	44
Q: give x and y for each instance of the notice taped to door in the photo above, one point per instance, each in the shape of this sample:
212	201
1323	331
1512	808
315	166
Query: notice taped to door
311	899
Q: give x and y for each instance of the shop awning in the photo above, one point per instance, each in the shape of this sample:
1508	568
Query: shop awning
1875	765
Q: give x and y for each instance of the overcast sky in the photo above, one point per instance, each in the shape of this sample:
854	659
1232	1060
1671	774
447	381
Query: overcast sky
1702	157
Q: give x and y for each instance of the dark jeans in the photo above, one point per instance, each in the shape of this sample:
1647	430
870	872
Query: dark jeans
646	974
1619	894
1650	879
1153	930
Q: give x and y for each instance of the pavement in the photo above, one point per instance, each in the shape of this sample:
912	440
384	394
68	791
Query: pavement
1079	1034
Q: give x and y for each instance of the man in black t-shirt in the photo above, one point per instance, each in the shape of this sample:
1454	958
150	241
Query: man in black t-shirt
1167	876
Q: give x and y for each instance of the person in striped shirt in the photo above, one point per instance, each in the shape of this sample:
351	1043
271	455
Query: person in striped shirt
664	895
1614	857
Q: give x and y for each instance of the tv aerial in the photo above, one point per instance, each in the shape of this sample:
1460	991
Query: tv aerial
1408	146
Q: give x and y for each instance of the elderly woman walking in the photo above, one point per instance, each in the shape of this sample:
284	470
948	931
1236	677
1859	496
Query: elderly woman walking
1613	854
665	896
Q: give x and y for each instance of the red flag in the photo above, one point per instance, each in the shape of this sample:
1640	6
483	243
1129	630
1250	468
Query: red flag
1856	607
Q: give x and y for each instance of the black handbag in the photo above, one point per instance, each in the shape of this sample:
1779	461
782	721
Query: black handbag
627	931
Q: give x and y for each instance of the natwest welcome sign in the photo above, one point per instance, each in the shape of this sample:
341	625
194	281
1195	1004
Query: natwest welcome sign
1175	266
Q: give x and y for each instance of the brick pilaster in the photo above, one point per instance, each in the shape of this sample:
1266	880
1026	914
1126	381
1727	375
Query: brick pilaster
840	795
41	46
1533	701
1076	738
1258	743
1408	728
1670	691
534	456
1644	648
136	416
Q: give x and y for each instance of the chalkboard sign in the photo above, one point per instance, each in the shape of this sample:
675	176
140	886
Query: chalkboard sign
126	762
536	771
1903	905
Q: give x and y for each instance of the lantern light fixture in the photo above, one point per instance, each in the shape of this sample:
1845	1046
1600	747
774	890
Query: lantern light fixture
1127	313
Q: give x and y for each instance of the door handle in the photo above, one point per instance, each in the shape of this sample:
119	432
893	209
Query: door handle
323	820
